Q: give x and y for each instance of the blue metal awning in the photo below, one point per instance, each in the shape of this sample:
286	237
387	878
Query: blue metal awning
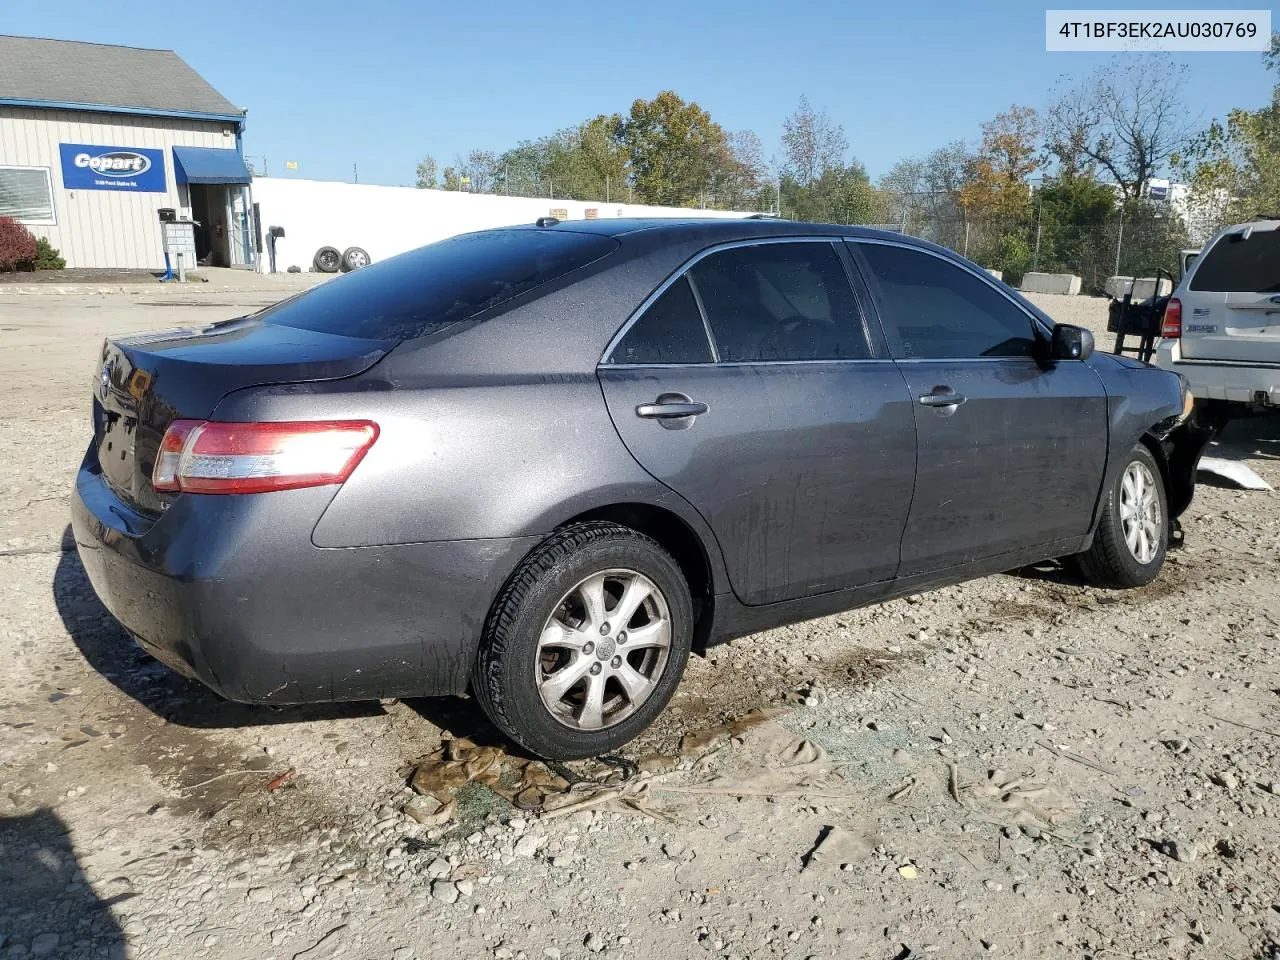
209	165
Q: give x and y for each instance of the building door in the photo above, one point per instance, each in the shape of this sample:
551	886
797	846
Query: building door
210	206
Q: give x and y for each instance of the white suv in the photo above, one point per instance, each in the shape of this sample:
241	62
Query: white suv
1221	327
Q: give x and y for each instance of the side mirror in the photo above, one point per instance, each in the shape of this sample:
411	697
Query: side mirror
1071	343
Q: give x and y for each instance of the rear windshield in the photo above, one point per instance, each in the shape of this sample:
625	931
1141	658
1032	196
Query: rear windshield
1240	265
427	289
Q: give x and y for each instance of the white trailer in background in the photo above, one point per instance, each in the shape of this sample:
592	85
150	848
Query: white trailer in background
384	221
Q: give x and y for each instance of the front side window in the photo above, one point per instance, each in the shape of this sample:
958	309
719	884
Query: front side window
780	301
26	194
669	331
933	309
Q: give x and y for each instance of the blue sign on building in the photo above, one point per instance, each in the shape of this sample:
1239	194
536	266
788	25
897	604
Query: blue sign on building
94	167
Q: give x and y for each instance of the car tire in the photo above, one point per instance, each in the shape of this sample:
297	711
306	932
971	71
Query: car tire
327	260
354	258
1133	534
543	623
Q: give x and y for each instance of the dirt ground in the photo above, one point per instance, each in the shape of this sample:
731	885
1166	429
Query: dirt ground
1020	766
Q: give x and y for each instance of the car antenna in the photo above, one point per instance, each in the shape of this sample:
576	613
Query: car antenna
546	221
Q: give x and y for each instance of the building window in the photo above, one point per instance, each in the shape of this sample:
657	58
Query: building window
26	195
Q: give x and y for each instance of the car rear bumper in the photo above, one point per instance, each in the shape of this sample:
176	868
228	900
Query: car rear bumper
1230	380
230	590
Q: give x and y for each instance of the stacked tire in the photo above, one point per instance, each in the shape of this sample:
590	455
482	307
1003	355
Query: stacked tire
330	260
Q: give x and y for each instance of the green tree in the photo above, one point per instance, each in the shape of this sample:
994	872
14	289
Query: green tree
1234	166
811	144
675	149
841	194
1073	211
452	179
427	172
479	167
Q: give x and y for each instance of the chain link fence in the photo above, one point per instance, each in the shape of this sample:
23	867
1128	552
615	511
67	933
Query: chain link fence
1135	242
1093	251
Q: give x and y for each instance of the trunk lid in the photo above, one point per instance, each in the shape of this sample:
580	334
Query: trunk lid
1231	303
146	381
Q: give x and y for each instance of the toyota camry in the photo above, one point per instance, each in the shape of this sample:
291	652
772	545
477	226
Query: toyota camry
543	464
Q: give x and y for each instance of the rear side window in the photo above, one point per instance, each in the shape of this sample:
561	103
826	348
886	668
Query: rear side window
430	288
1240	265
934	309
780	301
670	331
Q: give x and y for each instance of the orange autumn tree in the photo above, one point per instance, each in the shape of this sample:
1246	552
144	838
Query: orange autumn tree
998	180
996	196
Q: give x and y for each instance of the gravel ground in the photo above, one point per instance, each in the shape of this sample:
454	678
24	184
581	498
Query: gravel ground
1019	766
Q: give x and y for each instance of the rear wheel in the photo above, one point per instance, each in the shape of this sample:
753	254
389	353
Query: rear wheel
1133	535
586	643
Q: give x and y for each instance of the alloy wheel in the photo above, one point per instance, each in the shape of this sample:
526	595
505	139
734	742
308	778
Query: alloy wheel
1140	515
603	650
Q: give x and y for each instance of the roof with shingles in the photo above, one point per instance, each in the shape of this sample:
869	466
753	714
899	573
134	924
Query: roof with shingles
99	75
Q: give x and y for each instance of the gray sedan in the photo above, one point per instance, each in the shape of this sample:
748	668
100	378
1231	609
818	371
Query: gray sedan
542	464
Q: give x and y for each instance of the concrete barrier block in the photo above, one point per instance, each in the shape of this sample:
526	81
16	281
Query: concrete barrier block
1117	287
998	274
1060	283
1144	288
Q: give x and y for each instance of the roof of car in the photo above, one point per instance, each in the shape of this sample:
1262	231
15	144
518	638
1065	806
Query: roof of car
726	228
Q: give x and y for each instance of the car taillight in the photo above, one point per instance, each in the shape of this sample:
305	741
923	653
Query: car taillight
199	456
1171	327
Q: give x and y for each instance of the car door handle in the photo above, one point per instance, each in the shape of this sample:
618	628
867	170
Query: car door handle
670	409
942	397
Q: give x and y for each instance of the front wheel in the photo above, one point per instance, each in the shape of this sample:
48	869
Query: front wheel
586	643
1133	534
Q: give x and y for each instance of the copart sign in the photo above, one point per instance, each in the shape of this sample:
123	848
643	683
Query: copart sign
88	166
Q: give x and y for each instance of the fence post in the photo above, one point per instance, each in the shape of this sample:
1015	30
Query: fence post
1035	258
1119	241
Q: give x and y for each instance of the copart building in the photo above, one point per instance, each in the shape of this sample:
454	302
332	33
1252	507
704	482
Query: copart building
96	140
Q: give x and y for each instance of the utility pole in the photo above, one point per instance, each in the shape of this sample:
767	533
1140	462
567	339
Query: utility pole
606	188
355	173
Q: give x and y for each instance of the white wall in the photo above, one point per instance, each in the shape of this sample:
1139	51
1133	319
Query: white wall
104	228
390	220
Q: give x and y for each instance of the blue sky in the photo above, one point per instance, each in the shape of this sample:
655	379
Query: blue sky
379	84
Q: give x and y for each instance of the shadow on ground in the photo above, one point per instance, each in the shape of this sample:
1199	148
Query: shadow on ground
47	907
113	653
1254	437
463	718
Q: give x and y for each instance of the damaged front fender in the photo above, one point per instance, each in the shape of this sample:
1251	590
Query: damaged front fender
1182	448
